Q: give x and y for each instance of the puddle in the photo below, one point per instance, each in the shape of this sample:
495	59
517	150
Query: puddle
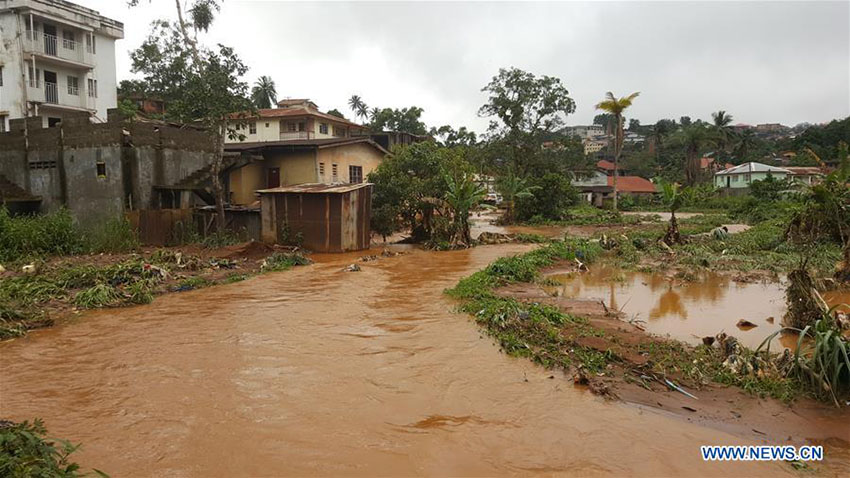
687	311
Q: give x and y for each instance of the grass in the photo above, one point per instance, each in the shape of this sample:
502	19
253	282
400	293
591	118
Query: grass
548	336
133	280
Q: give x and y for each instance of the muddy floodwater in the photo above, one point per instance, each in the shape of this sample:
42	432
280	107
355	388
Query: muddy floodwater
316	371
687	310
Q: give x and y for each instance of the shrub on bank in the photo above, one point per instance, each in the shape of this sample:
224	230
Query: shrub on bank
25	451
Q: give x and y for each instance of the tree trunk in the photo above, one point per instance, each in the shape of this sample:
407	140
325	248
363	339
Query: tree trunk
618	146
218	189
672	235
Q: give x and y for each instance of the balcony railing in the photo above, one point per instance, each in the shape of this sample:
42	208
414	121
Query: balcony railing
49	45
51	93
287	135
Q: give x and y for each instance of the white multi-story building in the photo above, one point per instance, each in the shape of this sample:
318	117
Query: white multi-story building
56	57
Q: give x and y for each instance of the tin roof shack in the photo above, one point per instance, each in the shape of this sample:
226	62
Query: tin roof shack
329	218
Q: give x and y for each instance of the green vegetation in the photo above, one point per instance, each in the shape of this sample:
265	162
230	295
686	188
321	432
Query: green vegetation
26	451
550	337
134	280
821	361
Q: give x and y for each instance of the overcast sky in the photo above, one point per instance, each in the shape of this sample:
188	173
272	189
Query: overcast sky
762	62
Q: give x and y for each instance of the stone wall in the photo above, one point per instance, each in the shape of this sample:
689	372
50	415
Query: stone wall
100	170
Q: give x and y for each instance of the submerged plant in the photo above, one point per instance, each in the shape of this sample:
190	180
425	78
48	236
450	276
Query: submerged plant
99	295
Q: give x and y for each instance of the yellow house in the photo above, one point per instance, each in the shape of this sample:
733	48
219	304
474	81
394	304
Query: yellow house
293	119
299	161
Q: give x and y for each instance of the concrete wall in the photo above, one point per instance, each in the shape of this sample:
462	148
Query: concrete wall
99	170
363	155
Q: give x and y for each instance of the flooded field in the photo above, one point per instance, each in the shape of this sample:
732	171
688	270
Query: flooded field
316	371
684	310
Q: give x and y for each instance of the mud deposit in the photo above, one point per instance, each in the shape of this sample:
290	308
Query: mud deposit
316	371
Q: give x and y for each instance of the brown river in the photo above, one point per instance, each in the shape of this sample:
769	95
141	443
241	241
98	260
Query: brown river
316	371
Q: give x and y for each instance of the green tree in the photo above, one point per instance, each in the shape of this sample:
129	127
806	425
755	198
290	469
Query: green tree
407	120
264	93
462	194
451	137
685	121
693	140
723	127
747	142
337	113
615	107
526	109
552	195
410	185
512	188
200	85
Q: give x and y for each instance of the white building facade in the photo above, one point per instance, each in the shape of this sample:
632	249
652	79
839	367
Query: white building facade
56	57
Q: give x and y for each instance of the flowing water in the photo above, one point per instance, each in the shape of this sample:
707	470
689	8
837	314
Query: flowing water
316	371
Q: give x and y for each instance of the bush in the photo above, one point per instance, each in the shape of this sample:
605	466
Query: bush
25	451
553	194
23	237
113	235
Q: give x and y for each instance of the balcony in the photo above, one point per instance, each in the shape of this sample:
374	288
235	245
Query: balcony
290	135
67	52
49	94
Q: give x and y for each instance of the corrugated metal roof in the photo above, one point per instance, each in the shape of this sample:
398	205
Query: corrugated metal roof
752	167
315	188
632	184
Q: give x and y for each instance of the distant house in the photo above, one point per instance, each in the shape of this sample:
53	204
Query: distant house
293	119
291	162
594	145
586	132
808	175
707	163
740	177
597	186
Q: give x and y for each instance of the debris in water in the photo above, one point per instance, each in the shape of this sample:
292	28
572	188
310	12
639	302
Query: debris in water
352	268
709	340
690	409
770	320
745	324
369	258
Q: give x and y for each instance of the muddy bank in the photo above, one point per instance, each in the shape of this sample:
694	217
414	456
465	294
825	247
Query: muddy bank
316	371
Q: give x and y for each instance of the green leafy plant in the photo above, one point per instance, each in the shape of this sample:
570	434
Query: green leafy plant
99	295
25	451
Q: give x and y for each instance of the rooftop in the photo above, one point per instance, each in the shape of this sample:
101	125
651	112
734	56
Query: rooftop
315	188
752	167
633	184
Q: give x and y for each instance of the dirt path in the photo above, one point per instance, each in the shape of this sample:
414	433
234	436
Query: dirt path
316	371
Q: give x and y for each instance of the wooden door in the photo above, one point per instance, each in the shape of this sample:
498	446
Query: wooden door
273	177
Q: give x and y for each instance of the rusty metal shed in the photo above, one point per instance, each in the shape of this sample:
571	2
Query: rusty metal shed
329	218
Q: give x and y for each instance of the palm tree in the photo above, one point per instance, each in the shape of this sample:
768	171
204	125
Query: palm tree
358	106
463	194
693	139
660	131
512	187
746	142
264	93
725	132
616	107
